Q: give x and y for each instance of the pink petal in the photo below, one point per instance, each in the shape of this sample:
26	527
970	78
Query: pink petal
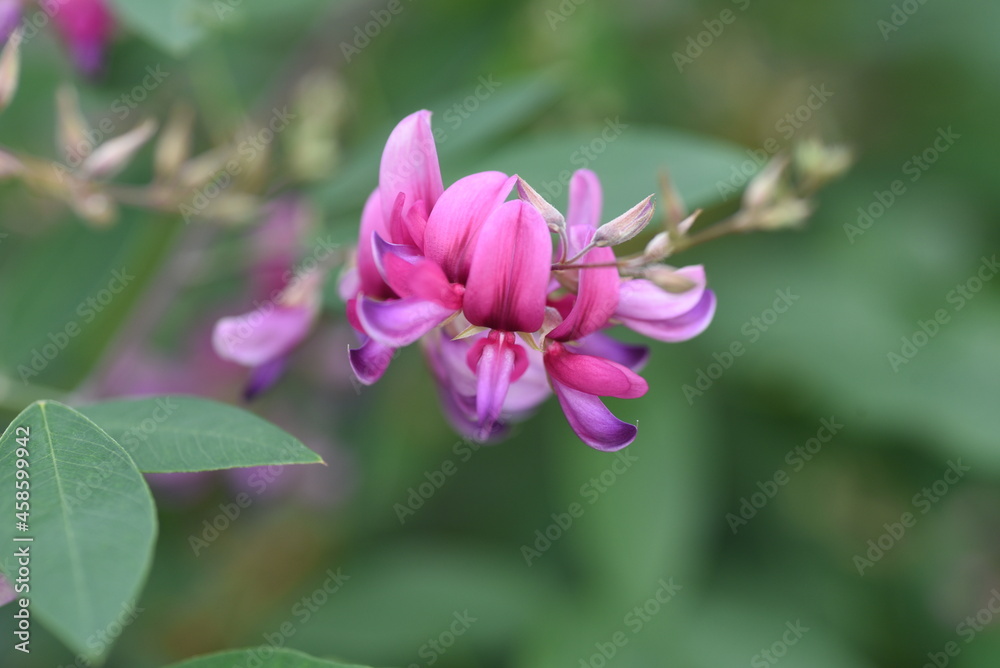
644	300
585	200
458	216
601	345
372	223
410	166
493	373
400	322
262	335
593	375
681	328
592	421
596	300
370	361
7	593
510	270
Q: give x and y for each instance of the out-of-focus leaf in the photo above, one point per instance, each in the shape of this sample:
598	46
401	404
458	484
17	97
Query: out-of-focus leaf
174	26
178	433
396	602
91	518
263	657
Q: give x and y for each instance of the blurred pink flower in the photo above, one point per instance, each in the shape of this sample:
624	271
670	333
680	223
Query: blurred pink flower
86	27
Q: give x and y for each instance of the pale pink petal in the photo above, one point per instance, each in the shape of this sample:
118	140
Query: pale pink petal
458	216
372	224
262	335
644	300
681	328
510	270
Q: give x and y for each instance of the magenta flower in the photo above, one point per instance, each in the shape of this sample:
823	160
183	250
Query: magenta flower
504	318
86	27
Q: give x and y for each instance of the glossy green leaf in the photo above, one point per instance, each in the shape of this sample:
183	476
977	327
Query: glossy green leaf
91	518
177	433
263	657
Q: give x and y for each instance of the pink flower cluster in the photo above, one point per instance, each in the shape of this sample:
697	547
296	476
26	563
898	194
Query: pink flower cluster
504	313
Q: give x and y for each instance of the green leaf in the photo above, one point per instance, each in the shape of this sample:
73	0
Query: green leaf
91	517
169	434
174	26
264	657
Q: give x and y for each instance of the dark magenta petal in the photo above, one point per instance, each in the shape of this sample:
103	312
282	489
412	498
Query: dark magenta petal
400	322
455	222
641	299
681	328
410	166
592	421
510	270
601	345
585	200
370	361
597	297
593	375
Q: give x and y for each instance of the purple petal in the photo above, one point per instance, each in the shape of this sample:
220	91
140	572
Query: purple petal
681	328
644	300
264	376
592	421
510	270
370	361
602	345
458	216
10	18
86	27
584	200
7	593
410	165
596	299
260	336
400	322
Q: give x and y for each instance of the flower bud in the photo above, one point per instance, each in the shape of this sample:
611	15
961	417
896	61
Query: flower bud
668	279
10	68
113	155
625	226
554	219
174	145
819	163
763	187
71	127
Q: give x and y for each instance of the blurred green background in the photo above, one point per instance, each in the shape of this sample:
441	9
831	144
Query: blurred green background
783	586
